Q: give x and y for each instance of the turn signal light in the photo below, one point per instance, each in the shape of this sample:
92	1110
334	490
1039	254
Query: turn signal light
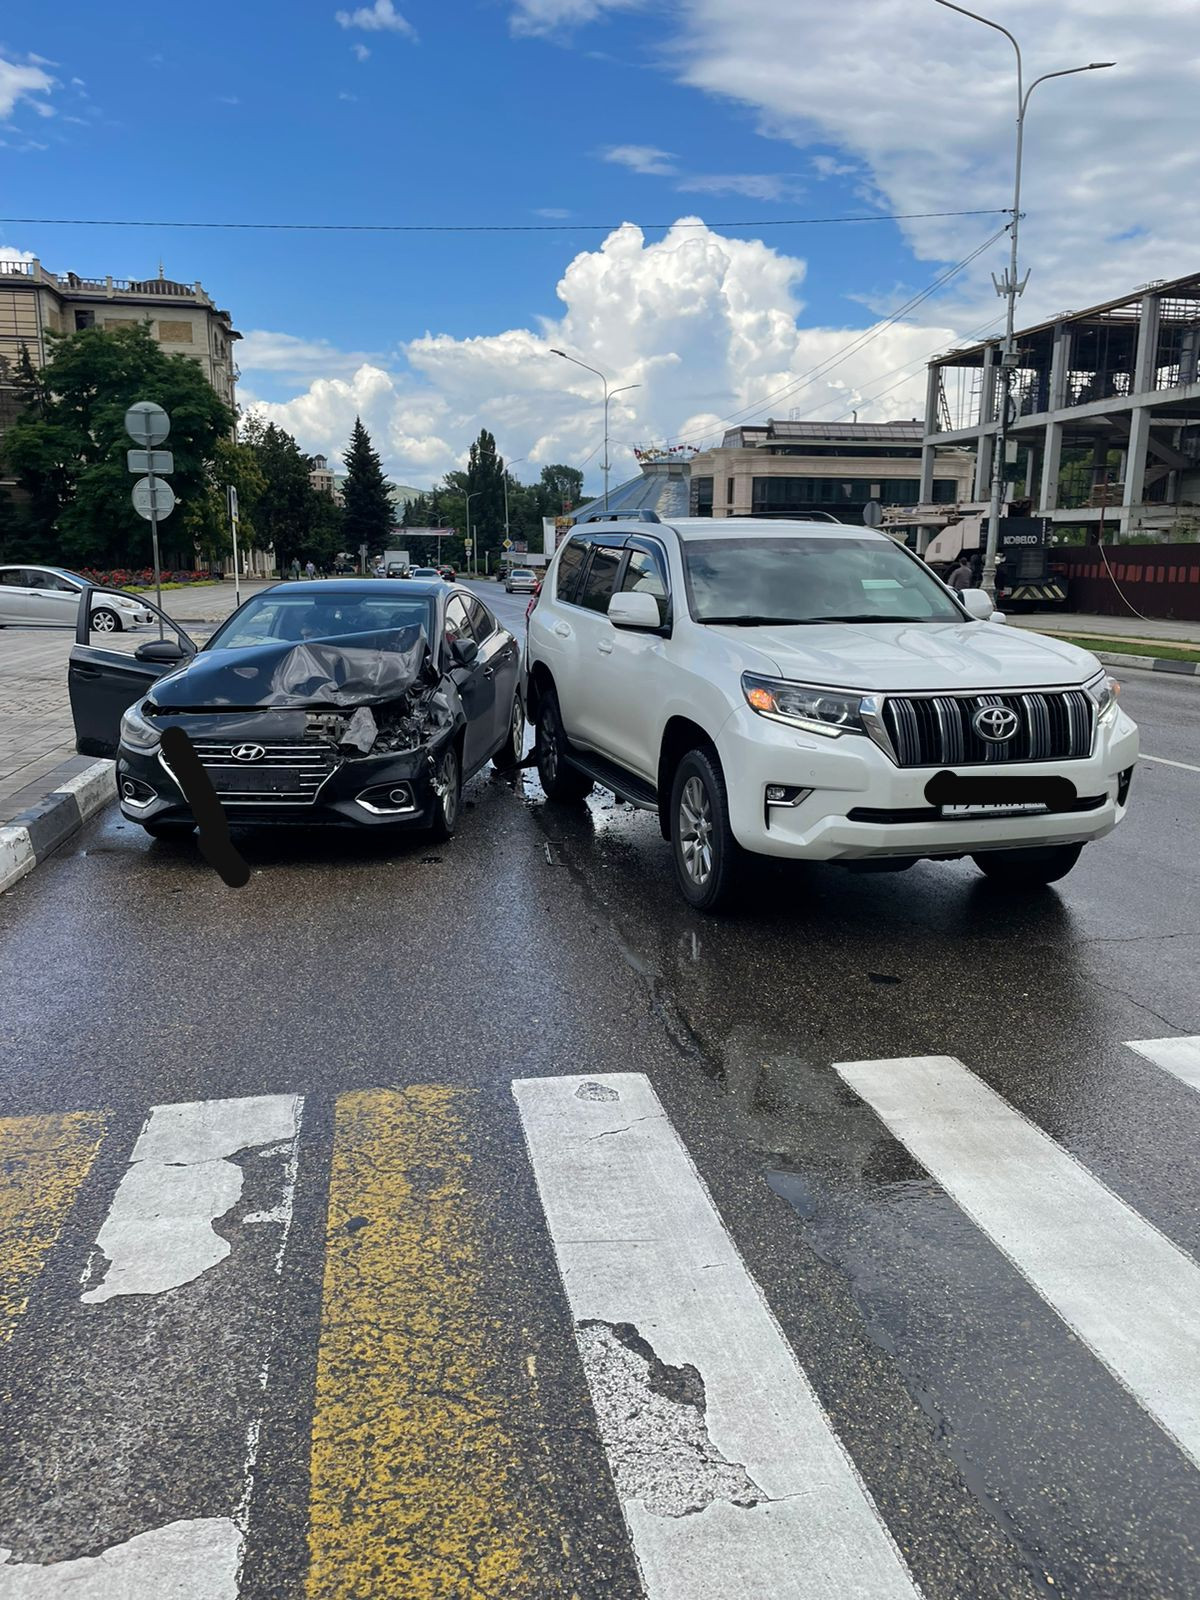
761	699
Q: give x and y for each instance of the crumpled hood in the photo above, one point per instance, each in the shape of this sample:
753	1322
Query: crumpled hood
359	669
895	657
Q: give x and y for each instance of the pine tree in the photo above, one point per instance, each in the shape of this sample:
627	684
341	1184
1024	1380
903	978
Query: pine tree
368	516
485	483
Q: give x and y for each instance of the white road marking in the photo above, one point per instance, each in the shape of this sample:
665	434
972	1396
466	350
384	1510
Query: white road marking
189	1560
731	1479
1161	761
1178	1056
1131	1295
159	1230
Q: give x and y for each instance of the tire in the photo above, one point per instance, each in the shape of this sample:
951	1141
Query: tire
1028	869
708	859
105	620
447	784
170	828
561	781
512	752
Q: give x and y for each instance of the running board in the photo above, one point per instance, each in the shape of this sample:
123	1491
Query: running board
610	776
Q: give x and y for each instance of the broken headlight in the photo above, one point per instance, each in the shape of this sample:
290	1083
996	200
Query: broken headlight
137	732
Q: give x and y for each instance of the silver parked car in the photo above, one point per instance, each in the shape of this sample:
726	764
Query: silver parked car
48	597
521	581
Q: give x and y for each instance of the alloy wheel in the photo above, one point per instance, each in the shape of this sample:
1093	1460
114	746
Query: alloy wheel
548	752
696	831
517	731
103	622
445	785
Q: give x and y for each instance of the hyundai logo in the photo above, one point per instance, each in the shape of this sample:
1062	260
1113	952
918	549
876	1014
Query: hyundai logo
996	724
248	752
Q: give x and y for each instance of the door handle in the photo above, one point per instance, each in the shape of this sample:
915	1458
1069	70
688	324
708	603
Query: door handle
605	647
489	672
562	630
86	672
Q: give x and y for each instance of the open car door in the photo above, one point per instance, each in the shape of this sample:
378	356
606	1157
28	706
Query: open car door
104	682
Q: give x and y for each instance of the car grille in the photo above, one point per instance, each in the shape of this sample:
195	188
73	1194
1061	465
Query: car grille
936	730
287	774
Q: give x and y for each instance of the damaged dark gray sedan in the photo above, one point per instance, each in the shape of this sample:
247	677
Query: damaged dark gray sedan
361	703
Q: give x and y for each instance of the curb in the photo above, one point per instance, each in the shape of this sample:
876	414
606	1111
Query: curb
1181	669
37	832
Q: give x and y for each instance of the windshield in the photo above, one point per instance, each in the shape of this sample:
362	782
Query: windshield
278	616
753	582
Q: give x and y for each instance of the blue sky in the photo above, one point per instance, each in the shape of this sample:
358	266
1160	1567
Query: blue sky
500	111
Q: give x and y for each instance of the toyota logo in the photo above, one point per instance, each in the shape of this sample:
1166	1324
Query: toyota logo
248	752
996	724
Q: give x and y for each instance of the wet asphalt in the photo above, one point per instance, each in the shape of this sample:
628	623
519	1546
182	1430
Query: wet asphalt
1002	1456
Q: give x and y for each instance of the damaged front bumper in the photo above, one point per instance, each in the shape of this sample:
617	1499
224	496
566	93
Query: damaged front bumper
299	767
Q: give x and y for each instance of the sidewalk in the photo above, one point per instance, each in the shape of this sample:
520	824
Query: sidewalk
1134	629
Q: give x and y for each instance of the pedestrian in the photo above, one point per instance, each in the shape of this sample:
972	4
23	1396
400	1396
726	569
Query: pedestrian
961	577
309	570
295	567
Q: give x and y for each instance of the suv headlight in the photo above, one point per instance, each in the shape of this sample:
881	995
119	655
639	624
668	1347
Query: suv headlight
800	705
1103	692
137	732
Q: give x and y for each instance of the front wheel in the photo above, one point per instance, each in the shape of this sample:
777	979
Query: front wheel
105	620
560	780
1028	869
707	856
511	753
447	788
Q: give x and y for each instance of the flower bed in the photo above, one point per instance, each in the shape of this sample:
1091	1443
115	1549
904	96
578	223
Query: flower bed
143	578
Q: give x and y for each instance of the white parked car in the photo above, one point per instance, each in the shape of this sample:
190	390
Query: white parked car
48	597
811	690
521	580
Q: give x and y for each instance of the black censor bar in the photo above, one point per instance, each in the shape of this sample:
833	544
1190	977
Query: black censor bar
216	846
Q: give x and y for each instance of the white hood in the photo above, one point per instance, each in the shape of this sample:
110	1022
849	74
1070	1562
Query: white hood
899	657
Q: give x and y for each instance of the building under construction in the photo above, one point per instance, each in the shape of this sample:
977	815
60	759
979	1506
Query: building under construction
1104	415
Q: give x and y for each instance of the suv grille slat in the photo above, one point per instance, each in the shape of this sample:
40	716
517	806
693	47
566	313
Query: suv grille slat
937	731
235	781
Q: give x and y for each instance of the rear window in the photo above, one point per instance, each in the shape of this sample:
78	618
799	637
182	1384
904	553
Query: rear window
570	564
601	579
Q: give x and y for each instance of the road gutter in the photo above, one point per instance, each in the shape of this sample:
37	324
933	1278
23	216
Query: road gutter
37	832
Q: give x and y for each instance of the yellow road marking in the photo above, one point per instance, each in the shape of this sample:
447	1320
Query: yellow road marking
416	1464
43	1161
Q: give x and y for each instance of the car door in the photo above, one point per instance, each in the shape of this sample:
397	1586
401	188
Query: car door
14	596
56	598
585	716
102	683
501	652
629	684
476	684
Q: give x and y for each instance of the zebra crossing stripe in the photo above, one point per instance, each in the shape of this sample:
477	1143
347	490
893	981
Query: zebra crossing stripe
1181	1057
43	1161
731	1479
1131	1295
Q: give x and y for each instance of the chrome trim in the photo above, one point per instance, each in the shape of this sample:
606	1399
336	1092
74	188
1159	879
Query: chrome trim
389	811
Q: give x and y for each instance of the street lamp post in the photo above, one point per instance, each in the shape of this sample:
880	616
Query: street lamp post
608	394
507	465
1010	286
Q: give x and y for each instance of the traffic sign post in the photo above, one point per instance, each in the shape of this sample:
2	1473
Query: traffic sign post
237	567
148	424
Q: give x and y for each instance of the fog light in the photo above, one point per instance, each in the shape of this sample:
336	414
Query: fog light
136	794
400	797
786	794
128	790
388	800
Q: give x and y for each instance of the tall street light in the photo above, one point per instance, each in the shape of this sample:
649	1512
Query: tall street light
608	394
507	465
1010	286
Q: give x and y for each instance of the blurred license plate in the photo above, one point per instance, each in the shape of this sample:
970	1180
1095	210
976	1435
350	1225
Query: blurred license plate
997	809
255	779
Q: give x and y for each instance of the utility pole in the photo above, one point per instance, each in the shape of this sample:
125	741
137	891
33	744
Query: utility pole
474	495
1009	287
608	394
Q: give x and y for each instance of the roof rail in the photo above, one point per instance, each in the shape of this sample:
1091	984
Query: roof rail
623	516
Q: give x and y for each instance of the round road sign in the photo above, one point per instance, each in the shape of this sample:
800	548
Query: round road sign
147	423
164	497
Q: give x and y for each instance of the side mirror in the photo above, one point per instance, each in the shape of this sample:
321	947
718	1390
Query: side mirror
979	603
161	650
464	652
635	611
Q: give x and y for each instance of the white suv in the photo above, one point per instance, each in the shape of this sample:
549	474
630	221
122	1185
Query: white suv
811	690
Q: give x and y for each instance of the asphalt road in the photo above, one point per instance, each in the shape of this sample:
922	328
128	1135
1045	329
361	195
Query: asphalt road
355	1316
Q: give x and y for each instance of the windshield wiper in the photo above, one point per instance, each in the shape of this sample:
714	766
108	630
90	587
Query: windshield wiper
759	622
876	616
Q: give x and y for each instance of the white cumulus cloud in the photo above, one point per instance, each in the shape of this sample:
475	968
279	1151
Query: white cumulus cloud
382	17
705	325
24	82
644	158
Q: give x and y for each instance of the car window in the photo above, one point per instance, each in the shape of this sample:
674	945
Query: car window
570	564
274	617
644	575
54	580
39	580
482	620
601	578
457	624
13	578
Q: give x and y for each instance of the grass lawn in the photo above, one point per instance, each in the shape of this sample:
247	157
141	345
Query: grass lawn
1126	647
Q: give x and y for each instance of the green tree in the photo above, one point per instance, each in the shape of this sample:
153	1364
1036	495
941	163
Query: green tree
369	515
562	489
67	449
485	484
287	512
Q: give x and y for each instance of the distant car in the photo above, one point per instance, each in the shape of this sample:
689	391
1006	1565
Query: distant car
448	573
520	581
349	702
48	597
425	572
397	569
